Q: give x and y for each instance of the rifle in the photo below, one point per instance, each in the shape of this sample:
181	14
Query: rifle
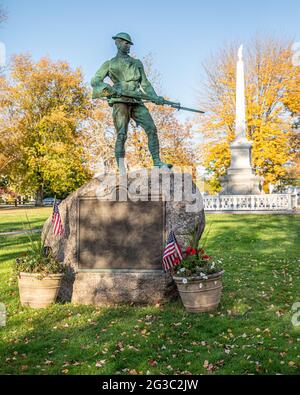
155	100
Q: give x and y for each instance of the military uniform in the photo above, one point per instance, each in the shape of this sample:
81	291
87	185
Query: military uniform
127	74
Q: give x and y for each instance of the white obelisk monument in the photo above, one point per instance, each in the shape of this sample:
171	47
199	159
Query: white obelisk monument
240	109
240	178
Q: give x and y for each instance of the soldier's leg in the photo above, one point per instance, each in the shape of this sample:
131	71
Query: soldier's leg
121	116
143	118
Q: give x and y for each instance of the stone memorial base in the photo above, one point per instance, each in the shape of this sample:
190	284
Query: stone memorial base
115	230
107	288
240	178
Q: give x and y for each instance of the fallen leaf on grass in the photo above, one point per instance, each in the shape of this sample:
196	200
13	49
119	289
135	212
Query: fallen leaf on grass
207	365
177	324
100	363
48	362
120	346
130	347
133	372
259	369
211	367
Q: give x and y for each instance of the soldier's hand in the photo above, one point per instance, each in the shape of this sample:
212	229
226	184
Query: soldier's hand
96	93
115	91
160	100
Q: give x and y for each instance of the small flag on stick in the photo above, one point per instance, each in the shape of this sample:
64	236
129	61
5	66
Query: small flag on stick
58	229
172	253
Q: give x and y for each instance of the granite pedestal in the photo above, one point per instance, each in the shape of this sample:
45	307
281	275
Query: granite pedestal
115	232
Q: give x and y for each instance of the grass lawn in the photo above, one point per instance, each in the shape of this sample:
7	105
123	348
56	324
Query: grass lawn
251	332
16	219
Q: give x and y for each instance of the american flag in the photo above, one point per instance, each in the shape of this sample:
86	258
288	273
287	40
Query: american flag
172	252
58	229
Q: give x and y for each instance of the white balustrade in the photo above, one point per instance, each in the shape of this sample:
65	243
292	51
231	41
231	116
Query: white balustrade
271	202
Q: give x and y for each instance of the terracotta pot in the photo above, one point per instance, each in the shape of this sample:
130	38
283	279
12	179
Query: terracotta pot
38	292
200	295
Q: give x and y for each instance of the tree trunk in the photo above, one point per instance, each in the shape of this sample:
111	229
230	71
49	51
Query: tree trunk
39	197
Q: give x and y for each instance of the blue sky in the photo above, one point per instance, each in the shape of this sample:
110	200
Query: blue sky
179	34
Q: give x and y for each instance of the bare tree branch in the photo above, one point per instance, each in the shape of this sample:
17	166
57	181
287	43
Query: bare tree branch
3	14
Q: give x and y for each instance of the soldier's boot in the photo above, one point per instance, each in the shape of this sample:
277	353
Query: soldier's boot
154	150
120	152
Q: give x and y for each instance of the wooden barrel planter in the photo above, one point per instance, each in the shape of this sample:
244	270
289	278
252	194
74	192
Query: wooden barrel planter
36	291
198	294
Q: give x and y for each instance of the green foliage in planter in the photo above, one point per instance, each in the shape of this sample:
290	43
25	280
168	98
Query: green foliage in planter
41	264
38	258
196	263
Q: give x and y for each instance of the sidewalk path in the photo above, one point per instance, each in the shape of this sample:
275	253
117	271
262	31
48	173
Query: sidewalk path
20	232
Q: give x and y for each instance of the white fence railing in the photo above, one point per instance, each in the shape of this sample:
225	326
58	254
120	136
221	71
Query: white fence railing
272	202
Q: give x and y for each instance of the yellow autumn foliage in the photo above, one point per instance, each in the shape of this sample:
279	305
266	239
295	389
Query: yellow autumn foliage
272	102
43	105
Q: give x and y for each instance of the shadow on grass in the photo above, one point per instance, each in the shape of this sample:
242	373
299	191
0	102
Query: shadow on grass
91	340
267	235
253	317
12	246
15	226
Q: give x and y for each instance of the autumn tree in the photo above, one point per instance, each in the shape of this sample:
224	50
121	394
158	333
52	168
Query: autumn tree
272	99
3	15
43	106
99	139
292	102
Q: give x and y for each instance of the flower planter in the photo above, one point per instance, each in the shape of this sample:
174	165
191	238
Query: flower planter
38	292
198	294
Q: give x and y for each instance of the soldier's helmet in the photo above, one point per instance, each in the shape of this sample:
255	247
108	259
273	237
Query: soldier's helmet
123	36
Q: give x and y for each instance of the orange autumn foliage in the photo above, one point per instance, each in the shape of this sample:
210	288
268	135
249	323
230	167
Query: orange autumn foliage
272	100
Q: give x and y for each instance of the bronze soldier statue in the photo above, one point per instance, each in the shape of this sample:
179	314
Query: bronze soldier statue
125	96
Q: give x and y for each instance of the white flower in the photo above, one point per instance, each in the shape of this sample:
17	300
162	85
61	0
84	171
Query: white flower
184	281
182	269
213	265
203	275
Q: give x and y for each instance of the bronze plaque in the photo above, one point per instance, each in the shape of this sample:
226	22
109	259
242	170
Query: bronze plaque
120	235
